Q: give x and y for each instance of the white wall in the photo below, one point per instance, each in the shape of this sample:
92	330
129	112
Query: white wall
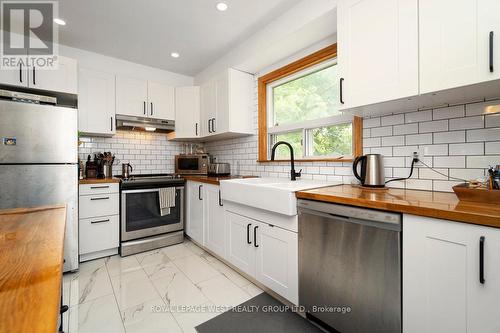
95	61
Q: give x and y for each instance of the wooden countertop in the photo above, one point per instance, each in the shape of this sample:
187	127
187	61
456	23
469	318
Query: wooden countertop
31	259
98	181
214	180
424	203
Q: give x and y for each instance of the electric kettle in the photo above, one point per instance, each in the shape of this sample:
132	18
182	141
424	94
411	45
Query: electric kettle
126	170
372	170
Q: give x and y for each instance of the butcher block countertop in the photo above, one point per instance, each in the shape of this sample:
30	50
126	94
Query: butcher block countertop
214	180
424	203
31	264
92	181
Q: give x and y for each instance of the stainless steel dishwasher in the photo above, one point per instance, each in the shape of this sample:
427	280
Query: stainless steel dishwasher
350	259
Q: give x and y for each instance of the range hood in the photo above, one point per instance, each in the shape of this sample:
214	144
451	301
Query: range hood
132	123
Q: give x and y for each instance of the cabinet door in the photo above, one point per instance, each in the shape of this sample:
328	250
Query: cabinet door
377	50
15	77
454	43
221	116
239	242
99	234
96	102
63	79
442	291
215	224
207	107
187	112
131	97
161	101
194	211
276	264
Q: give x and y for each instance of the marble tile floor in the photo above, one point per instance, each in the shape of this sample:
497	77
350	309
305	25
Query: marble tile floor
172	289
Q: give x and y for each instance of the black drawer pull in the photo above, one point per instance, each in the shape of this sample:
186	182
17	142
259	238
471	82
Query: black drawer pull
104	198
21	72
99	221
491	51
341	90
481	260
220	200
255	236
248	233
199	192
98	187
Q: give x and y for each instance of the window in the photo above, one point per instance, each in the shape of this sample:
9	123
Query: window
299	104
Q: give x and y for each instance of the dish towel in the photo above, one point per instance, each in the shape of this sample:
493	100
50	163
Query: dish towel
167	200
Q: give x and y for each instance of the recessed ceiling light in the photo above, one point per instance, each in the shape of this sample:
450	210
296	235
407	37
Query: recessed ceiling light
175	55
59	21
221	6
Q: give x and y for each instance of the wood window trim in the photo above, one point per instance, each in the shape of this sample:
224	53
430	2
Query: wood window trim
315	58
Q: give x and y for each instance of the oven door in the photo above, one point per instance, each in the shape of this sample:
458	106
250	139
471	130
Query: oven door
141	214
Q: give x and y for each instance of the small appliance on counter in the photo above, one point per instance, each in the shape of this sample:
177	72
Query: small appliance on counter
219	169
126	170
372	170
193	164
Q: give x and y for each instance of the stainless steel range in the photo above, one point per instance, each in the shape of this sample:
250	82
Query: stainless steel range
145	224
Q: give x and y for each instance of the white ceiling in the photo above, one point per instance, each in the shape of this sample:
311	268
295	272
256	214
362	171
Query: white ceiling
146	32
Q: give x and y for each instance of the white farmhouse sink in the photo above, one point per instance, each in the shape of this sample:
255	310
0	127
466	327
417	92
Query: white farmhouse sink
271	194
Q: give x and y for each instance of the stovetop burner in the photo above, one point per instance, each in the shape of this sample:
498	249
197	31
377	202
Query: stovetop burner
152	180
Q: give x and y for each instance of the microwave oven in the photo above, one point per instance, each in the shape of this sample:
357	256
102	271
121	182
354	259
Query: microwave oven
192	164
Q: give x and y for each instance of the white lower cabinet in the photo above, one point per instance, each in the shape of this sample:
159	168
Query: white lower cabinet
194	211
265	252
444	289
99	220
214	231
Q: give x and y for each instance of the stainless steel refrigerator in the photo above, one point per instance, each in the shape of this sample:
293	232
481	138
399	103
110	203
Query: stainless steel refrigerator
39	160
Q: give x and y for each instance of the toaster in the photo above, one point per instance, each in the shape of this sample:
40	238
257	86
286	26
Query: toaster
219	169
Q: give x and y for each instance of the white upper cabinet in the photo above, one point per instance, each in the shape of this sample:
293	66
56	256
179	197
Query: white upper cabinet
227	104
63	79
141	98
377	50
161	101
96	102
444	289
187	112
458	43
131	97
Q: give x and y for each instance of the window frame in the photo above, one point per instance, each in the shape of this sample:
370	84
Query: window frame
314	62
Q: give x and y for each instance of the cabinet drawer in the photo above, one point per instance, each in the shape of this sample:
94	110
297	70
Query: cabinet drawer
99	233
88	189
99	205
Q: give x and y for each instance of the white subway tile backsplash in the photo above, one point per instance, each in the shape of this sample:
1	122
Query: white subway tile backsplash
419	184
467	174
449	112
419	116
435	150
492	148
393	141
490	134
406	129
433	126
466	123
371	122
393	120
482	161
425	173
449	162
404	150
475	109
467	149
386	151
394	162
444	185
492	120
381	131
449	137
371	142
419	139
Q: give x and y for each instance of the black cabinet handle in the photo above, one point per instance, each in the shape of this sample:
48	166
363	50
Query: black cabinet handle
196	129
213	125
21	73
100	221
341	90
199	192
111	124
97	187
144	107
248	233
104	198
34	76
491	51
209	127
255	236
151	108
481	260
220	200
